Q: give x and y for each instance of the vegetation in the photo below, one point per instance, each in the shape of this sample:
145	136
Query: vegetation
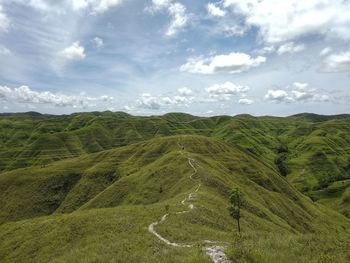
85	187
236	201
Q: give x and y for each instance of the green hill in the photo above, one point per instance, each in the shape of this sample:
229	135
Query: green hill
86	187
311	150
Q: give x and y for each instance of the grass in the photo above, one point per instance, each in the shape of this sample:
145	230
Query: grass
122	171
274	247
101	235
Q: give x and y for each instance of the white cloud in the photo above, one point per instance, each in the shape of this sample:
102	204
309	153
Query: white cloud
128	108
4	21
280	21
106	98
167	100
278	96
297	92
322	98
94	6
185	91
177	12
266	50
290	48
325	51
146	101
102	6
301	95
222	23
74	52
339	62
232	63
151	102
300	86
226	90
98	42
179	18
4	51
158	5
79	4
24	94
176	100
215	11
180	99
245	101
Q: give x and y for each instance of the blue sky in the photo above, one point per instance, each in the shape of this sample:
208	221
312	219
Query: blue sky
151	57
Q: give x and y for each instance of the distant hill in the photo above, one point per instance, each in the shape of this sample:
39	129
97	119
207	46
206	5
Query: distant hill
19	114
316	117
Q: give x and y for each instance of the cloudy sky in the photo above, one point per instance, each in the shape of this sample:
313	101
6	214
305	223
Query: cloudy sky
156	56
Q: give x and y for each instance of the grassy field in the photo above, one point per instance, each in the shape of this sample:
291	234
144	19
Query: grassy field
85	187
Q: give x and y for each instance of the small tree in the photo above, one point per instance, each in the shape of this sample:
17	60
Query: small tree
236	200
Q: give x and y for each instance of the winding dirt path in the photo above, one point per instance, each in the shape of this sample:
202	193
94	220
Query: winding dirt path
215	252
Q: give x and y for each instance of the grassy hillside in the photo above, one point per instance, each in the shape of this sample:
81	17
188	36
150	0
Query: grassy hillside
85	187
312	151
96	208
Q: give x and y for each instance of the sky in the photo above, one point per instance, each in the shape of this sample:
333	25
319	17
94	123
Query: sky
150	57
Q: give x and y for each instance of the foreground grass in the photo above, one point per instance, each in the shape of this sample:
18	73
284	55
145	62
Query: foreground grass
103	235
274	247
120	235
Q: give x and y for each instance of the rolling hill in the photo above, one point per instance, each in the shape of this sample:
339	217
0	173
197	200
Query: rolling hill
86	187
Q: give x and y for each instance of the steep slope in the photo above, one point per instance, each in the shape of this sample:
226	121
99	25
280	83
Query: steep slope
318	161
110	198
